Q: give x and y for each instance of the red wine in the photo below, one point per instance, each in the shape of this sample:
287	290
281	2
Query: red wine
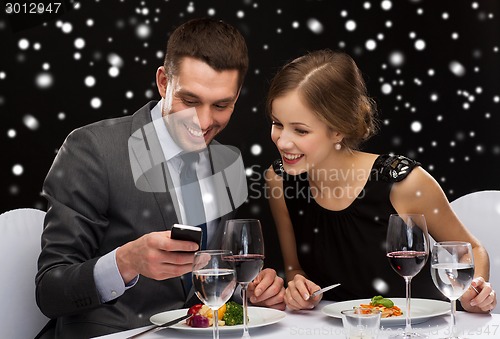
247	266
407	263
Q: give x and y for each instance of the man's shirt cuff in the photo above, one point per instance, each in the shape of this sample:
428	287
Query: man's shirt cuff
108	280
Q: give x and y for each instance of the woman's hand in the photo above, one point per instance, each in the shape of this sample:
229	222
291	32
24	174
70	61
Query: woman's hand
298	293
267	290
483	302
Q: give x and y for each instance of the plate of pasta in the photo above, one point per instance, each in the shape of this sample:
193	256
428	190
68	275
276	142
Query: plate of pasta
421	310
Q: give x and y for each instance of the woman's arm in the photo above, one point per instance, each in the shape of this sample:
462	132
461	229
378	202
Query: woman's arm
420	193
275	194
299	287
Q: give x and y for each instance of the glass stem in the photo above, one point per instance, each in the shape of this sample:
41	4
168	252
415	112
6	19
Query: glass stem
453	319
245	310
216	323
408	329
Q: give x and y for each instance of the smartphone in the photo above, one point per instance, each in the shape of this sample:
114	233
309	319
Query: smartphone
186	232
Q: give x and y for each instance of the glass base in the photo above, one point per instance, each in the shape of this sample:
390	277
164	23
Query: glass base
408	335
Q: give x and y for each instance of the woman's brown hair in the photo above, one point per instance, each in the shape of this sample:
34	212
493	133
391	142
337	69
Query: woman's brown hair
331	85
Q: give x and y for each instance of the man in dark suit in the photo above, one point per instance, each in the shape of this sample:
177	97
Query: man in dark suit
108	262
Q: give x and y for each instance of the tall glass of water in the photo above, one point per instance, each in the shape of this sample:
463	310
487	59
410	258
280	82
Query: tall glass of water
452	270
214	281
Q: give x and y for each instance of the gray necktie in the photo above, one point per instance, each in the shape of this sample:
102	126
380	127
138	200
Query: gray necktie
191	194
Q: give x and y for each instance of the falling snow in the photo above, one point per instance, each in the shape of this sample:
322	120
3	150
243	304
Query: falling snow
256	150
396	59
31	122
67	27
143	31
113	71
420	45
380	285
416	126
386	89
386	5
350	25
44	80
315	26
115	60
79	43
89	81
23	44
17	170
457	68
435	83
95	103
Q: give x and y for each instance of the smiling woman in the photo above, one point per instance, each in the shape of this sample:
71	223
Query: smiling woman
321	114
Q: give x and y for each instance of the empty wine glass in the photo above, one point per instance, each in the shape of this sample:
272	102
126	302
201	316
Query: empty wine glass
452	270
243	237
214	281
407	251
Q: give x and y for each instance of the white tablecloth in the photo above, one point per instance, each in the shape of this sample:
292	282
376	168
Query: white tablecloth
314	324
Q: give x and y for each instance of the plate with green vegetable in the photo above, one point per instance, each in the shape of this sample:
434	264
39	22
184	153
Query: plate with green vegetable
421	309
202	322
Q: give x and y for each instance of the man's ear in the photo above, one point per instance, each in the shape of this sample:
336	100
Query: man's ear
161	81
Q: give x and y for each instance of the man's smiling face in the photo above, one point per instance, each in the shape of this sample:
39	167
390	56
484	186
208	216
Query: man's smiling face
199	102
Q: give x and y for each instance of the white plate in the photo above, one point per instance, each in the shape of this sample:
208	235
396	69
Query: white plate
421	310
258	316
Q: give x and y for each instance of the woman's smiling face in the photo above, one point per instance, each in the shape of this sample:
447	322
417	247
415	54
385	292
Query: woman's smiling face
303	140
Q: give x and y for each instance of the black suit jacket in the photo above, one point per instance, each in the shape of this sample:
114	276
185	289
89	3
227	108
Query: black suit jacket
94	206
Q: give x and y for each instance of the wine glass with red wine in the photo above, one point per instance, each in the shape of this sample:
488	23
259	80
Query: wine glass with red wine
407	251
243	237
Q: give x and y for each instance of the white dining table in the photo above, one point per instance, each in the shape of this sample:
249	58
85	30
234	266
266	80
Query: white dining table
315	324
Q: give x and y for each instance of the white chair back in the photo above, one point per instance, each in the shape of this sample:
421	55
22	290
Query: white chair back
20	232
480	212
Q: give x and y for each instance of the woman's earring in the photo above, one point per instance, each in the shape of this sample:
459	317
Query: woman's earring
338	146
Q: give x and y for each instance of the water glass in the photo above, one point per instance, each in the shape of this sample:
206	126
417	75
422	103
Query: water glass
214	281
452	270
361	323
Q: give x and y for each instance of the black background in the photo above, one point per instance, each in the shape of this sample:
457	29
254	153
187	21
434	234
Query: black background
458	142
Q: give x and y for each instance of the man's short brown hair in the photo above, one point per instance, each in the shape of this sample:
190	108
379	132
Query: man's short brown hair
214	42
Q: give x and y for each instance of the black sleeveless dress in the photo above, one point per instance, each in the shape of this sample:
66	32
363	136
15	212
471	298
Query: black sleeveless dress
348	246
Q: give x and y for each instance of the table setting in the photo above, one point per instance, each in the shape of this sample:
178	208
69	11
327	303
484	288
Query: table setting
315	323
217	273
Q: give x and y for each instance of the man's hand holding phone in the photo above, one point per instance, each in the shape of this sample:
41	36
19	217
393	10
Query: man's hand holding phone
187	233
159	255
